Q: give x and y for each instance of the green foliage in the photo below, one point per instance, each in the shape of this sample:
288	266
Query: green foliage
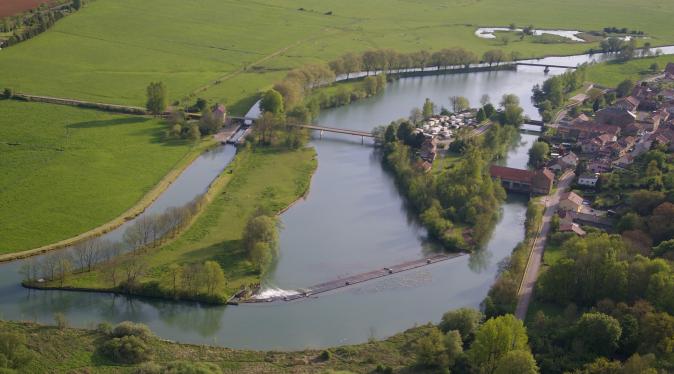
7	93
430	350
539	154
494	339
599	333
128	328
127	350
272	102
428	108
14	355
517	362
464	320
157	98
625	88
260	239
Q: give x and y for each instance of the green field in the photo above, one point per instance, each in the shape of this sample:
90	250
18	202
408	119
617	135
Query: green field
67	170
611	74
269	178
225	51
110	50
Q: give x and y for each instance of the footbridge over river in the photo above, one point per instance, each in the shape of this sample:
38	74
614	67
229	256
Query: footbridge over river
353	279
321	129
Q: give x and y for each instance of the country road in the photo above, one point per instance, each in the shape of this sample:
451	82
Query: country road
535	258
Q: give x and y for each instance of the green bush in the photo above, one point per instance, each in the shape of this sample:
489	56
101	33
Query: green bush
13	352
325	355
127	328
127	350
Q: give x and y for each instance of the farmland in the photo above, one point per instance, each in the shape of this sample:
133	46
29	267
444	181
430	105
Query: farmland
225	51
266	178
12	7
66	170
110	50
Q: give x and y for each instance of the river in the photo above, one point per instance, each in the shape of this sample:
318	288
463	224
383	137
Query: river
352	220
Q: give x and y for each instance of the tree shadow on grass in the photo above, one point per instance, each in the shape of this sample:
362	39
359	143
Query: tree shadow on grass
157	134
107	123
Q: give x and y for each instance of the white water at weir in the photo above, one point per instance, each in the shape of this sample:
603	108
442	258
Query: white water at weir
274	292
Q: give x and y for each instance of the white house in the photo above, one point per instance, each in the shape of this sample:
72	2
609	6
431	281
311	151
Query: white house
588	179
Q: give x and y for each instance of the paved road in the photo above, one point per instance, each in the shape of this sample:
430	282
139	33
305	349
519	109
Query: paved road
535	259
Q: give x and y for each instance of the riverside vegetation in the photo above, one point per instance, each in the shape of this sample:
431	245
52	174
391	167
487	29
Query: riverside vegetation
205	263
463	342
458	204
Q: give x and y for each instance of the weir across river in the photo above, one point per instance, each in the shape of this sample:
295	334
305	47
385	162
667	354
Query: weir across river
353	279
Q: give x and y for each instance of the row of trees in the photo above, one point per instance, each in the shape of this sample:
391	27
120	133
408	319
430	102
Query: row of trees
147	230
296	87
33	23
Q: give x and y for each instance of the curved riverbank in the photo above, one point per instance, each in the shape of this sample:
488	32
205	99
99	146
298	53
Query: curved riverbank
129	214
292	176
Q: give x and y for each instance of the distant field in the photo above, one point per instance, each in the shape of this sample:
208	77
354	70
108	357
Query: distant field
66	170
12	7
110	50
611	74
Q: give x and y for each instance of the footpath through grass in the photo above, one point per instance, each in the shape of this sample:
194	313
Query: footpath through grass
66	170
263	177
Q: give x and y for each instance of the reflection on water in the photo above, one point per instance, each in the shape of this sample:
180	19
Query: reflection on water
353	220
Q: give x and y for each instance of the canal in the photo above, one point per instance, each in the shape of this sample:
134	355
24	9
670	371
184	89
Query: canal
353	220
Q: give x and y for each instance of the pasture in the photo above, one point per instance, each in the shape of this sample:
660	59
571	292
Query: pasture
264	177
67	170
110	50
611	74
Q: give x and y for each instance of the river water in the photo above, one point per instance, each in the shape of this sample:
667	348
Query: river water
353	220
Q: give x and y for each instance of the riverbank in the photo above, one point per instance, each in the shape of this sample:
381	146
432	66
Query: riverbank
269	178
83	353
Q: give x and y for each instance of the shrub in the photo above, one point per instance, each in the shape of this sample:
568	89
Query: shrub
128	328
127	350
325	355
61	321
13	352
7	93
104	328
148	368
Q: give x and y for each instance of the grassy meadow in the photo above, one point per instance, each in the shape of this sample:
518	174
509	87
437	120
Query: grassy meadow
225	51
110	50
263	177
612	73
66	170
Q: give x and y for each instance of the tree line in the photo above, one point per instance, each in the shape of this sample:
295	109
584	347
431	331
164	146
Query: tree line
149	230
30	24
